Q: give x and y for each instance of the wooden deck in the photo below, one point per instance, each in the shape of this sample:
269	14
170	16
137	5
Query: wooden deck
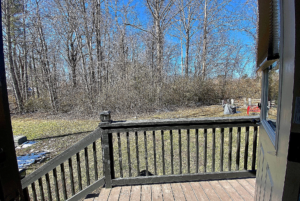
234	189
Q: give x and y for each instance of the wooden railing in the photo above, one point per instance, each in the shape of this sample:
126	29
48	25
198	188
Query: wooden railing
154	151
145	152
58	179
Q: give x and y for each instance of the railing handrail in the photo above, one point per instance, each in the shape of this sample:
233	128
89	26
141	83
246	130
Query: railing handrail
53	163
177	122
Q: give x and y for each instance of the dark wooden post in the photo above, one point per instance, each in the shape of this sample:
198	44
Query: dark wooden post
10	183
107	146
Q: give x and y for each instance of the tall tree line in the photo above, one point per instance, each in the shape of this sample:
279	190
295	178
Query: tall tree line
90	55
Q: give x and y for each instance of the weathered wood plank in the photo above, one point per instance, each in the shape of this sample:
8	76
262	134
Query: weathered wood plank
114	194
231	191
156	193
242	192
146	193
167	192
251	181
220	190
106	160
177	191
209	191
136	193
200	194
125	193
104	194
146	153
188	191
247	186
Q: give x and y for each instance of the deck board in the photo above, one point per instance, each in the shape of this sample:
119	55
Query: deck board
239	189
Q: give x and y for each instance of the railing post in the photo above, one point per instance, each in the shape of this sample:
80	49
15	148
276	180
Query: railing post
107	148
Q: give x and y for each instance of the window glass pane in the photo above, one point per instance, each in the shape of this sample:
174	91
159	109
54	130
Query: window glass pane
273	90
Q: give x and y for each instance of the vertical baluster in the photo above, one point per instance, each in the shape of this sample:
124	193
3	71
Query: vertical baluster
230	149
55	184
111	156
137	153
79	171
172	155
33	191
120	155
163	151
238	148
254	147
154	151
213	149
63	181
41	189
146	153
180	156
128	153
222	150
87	169
246	148
48	187
197	150
205	150
95	161
71	176
26	194
188	150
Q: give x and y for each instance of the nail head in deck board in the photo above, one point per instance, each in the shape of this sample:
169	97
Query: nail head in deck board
247	186
188	192
104	194
177	191
167	192
156	192
136	193
114	194
219	190
209	191
231	191
146	192
125	193
240	189
200	194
